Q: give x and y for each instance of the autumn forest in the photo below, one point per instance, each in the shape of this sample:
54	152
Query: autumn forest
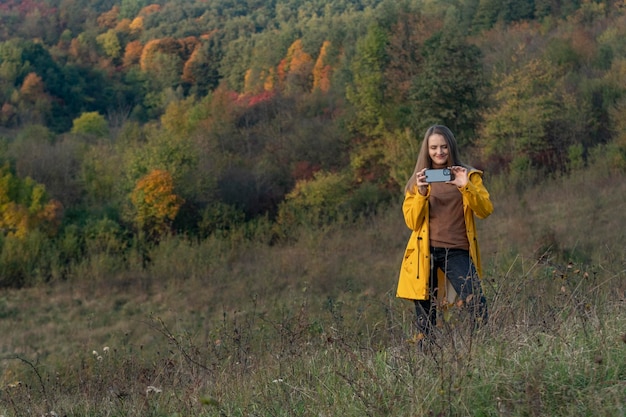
125	122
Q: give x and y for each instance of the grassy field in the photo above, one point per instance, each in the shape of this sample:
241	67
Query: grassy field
239	328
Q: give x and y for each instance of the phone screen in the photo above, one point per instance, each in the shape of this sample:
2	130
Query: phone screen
438	175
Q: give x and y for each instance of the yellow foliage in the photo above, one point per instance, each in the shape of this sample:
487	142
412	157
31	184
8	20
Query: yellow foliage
155	203
268	85
322	70
18	218
136	25
297	59
175	120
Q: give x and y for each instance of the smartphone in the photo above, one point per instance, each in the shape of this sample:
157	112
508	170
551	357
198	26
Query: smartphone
438	175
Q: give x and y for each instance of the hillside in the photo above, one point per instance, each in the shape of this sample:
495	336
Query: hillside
123	123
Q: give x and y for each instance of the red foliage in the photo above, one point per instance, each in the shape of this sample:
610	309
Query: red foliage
260	98
250	100
304	170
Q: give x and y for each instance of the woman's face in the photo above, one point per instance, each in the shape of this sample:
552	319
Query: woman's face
438	150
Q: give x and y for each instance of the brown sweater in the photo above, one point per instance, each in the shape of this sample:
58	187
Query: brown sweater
447	224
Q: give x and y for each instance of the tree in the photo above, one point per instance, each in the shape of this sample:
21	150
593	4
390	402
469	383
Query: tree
294	71
33	103
201	69
110	43
367	91
448	87
404	50
131	8
91	123
486	14
109	19
24	205
132	53
155	203
516	10
322	69
517	124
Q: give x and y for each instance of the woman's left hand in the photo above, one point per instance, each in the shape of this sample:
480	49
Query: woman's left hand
460	176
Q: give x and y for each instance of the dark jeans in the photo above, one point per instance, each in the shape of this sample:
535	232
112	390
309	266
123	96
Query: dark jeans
459	269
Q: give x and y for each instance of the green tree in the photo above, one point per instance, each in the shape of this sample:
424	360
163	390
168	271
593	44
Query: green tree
130	8
486	14
515	10
367	90
449	86
517	125
110	43
91	123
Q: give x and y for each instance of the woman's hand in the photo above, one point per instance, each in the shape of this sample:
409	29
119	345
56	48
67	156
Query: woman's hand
422	185
460	176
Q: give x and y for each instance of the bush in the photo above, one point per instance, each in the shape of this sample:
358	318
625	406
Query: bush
27	261
91	123
315	203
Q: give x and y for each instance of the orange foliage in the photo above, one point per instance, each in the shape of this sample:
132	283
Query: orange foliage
151	8
322	70
123	26
155	203
298	60
83	53
183	48
294	71
132	54
188	69
281	69
584	44
147	54
32	87
7	114
109	19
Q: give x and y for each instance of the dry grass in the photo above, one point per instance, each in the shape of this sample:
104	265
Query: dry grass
313	328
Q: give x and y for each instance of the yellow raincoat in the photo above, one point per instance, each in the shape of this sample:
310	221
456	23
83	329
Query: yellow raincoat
415	269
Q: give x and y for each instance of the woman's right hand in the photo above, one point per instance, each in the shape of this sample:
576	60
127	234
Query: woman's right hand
422	185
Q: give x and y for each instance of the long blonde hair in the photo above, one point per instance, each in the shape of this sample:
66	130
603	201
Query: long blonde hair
423	158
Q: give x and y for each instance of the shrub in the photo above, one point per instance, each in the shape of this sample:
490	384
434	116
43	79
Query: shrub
91	123
317	202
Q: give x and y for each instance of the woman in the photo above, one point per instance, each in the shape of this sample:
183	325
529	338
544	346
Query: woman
443	241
